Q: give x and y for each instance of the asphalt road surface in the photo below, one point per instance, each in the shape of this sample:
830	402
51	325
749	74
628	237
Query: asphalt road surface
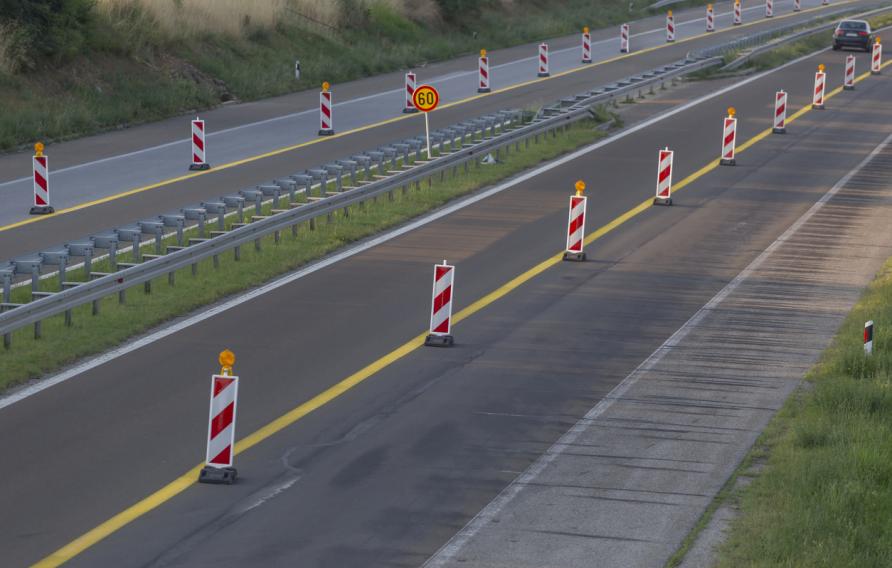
388	471
265	126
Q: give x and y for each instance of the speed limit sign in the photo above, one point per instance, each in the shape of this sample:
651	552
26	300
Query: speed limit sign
426	98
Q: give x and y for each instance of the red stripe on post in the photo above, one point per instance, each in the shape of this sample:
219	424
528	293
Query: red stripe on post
224	456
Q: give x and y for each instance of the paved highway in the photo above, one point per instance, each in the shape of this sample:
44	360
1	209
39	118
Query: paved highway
83	181
388	471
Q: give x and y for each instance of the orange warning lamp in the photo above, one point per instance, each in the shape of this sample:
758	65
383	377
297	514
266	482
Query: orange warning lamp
227	360
580	187
38	149
669	13
709	6
731	112
326	86
821	68
482	53
878	39
585	30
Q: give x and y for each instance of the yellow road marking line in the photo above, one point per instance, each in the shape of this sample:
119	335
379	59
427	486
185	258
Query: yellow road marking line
385	122
189	478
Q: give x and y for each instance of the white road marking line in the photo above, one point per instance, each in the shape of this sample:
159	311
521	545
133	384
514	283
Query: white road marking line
62	376
492	510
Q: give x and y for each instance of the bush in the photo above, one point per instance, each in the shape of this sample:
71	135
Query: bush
58	29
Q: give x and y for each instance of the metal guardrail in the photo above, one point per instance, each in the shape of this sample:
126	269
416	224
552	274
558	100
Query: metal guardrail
74	294
568	111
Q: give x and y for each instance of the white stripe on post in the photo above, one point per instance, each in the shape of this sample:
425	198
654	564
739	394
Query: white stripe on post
797	5
876	58
818	98
576	223
586	46
221	422
543	60
441	306
483	73
670	27
326	115
664	177
729	140
849	81
198	145
624	43
780	112
868	338
410	90
41	168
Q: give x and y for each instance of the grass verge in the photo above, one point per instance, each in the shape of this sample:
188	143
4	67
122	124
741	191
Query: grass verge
824	497
129	71
60	345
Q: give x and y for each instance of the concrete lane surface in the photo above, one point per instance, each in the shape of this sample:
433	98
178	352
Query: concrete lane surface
75	182
389	471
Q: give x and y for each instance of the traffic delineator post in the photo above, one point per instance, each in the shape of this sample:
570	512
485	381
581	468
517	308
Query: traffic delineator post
738	13
199	148
797	5
440	334
410	90
218	466
769	8
868	338
817	101
40	167
729	139
780	113
710	18
543	60
326	115
483	73
664	177
624	41
849	81
586	45
670	27
825	2
576	225
876	58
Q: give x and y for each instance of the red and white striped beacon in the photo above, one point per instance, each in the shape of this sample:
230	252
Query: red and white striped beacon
326	118
817	101
825	2
40	167
441	307
780	113
664	177
221	425
670	27
576	225
769	8
199	161
868	337
876	58
586	45
410	90
624	41
797	5
729	138
710	18
848	83
483	73
738	13
543	60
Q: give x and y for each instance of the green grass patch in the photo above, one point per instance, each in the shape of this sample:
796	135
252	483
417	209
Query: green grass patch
128	72
824	497
30	358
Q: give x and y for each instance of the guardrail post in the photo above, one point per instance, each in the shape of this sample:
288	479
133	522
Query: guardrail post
236	202
196	214
109	243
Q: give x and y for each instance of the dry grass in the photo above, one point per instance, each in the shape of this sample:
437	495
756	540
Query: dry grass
10	50
191	18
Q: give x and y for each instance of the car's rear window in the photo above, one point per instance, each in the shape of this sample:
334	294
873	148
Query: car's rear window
853	25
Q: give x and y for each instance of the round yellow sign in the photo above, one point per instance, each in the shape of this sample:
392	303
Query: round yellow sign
426	98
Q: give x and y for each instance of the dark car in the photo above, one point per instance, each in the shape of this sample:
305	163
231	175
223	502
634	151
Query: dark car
852	33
